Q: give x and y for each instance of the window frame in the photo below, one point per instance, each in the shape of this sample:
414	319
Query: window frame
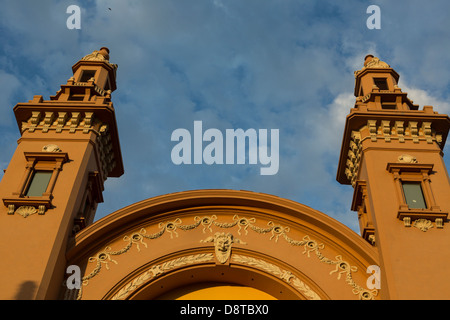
377	80
419	173
87	72
32	183
37	161
405	196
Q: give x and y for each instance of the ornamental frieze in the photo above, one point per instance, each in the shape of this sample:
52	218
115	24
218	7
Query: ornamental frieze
340	269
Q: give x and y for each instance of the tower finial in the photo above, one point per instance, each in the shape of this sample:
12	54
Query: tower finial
104	51
370	61
368	58
99	55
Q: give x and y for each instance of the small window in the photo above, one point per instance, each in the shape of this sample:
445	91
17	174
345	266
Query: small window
381	83
86	75
35	189
39	183
414	195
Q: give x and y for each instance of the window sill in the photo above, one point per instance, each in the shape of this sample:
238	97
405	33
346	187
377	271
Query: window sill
27	204
434	215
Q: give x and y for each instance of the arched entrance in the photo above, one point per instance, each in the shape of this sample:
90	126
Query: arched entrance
222	241
201	275
216	291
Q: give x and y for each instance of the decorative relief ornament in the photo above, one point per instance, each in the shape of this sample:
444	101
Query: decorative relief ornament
222	243
376	63
99	55
157	270
277	271
51	148
26	211
372	62
423	224
406	158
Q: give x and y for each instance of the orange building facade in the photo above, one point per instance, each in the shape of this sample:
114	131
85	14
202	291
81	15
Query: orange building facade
223	244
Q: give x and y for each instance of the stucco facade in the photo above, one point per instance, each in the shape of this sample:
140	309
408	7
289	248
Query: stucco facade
223	243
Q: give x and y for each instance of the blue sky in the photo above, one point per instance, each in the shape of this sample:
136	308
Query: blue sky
262	64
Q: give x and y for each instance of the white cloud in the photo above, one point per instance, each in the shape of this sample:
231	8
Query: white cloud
424	98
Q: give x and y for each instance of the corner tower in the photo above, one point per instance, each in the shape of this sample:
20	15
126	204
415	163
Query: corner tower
69	146
392	155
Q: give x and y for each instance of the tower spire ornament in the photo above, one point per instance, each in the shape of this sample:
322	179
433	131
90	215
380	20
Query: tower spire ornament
99	55
370	61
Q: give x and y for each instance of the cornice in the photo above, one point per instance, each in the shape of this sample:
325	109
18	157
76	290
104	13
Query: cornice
424	125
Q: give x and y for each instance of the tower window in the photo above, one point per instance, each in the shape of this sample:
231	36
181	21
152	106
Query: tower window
107	85
39	183
381	83
35	189
414	195
86	75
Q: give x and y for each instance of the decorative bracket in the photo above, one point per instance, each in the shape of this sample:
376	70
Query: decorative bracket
422	219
